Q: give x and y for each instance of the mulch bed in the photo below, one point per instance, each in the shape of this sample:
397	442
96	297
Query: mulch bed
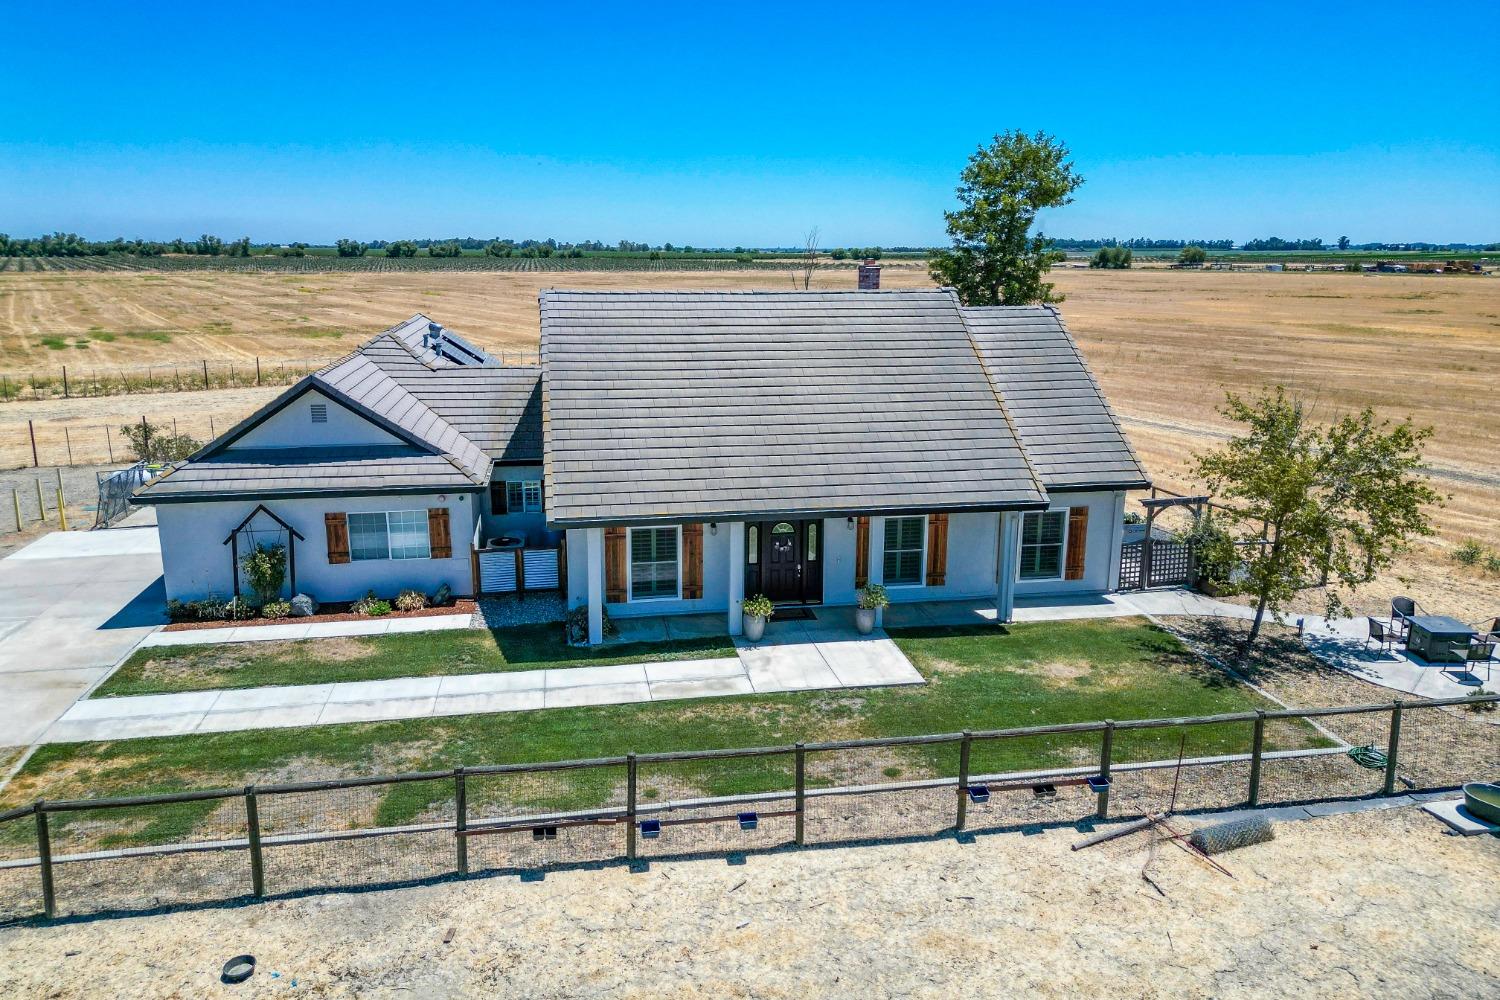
462	606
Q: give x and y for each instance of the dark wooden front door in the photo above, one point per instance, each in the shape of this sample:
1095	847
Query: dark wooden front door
781	560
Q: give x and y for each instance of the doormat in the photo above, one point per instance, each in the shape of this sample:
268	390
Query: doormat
794	613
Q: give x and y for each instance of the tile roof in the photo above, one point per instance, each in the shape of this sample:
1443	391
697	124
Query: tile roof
701	404
252	472
1072	436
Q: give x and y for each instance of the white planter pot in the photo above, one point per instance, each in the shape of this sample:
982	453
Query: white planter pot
864	620
755	627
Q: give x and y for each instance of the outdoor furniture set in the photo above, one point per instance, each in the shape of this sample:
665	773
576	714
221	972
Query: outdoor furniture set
1435	638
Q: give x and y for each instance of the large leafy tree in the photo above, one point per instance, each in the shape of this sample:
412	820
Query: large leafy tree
995	259
1342	500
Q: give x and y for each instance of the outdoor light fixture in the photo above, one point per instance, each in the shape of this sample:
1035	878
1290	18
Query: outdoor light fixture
713	527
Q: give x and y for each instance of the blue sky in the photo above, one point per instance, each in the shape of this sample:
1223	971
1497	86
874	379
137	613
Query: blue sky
742	123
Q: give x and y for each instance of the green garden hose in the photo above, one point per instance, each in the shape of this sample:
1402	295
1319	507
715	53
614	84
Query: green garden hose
1368	756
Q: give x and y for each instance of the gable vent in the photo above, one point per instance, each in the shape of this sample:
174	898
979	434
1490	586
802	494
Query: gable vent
320	413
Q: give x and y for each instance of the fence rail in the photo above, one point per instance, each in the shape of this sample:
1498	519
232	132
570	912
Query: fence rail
76	382
75	856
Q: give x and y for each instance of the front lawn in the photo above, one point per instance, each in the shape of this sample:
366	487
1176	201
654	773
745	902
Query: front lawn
162	669
977	678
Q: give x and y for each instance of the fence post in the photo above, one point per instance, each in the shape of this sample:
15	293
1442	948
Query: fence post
1391	747
68	440
1106	758
15	498
630	770
41	508
257	370
257	862
1257	746
801	792
963	782
205	373
31	430
44	854
65	381
461	819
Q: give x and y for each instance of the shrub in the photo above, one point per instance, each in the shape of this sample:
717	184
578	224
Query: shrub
1192	256
1469	553
1481	706
153	443
1492	563
872	597
371	605
205	609
1131	517
241	608
277	609
759	606
578	625
410	600
265	567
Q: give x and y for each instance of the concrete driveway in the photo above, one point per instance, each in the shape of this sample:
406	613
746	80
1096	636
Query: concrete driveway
72	604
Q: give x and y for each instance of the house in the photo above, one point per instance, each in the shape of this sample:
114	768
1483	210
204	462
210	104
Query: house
677	451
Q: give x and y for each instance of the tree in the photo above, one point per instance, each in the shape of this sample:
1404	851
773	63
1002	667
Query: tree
994	259
1340	501
1343	243
210	245
449	249
351	248
158	444
1192	256
401	248
809	259
1112	257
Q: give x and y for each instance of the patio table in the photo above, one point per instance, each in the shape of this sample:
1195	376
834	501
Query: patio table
1439	638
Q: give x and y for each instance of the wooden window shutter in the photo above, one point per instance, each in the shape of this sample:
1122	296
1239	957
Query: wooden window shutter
861	551
614	565
692	562
439	540
937	549
1078	542
336	526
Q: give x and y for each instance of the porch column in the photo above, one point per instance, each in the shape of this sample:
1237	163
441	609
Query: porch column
1116	540
596	584
736	588
1005	591
877	560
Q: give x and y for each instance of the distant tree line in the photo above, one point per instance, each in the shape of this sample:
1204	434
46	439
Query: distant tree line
1141	243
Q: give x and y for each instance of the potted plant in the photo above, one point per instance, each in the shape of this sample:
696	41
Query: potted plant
872	598
757	609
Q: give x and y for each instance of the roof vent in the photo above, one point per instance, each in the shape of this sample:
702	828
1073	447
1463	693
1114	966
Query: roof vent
434	338
320	413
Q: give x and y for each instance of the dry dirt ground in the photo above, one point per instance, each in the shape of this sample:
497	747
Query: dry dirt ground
1165	345
1373	904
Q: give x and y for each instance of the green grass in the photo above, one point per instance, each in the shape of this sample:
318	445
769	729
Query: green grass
977	678
55	343
162	669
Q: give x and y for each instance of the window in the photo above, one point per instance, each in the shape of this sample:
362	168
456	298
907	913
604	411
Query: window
752	544
1042	544
396	534
320	413
653	563
905	544
812	541
523	497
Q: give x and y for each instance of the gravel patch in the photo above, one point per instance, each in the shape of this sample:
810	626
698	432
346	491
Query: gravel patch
533	609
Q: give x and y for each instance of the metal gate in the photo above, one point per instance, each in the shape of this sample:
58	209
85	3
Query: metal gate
115	489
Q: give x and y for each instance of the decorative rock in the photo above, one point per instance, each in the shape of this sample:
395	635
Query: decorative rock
303	605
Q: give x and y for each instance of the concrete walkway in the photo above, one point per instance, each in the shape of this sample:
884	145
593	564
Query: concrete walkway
72	605
307	630
794	656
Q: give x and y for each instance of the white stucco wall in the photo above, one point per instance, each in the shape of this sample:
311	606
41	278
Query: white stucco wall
715	578
197	563
292	427
1100	557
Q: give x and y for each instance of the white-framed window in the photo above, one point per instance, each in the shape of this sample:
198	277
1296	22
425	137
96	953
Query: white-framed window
523	496
388	534
905	551
655	564
1043	535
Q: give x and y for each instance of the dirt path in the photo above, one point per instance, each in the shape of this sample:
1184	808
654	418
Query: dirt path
1352	906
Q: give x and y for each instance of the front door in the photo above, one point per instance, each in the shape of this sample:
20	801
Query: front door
781	560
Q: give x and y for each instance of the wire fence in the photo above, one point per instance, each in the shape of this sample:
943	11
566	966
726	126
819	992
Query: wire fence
130	854
74	382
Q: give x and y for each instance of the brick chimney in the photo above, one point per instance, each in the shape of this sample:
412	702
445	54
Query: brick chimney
869	276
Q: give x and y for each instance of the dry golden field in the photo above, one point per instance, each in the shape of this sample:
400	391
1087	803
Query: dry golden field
1165	344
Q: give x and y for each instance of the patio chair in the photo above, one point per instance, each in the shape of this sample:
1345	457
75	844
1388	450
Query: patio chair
1480	652
1491	634
1402	610
1382	633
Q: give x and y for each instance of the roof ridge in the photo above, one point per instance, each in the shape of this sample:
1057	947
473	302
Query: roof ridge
989	377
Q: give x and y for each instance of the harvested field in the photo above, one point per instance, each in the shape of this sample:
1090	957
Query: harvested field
1348	906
